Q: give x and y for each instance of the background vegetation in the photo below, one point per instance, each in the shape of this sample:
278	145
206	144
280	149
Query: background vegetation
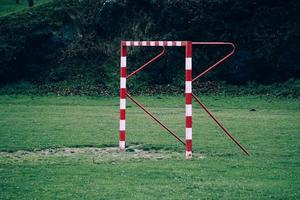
10	6
66	46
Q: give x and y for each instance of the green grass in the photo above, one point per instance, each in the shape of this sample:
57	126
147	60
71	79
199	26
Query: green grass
10	6
271	134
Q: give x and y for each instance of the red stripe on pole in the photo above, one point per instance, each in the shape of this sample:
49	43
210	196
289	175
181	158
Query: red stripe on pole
123	72
122	114
188	75
188	98
123	93
188	145
188	52
122	136
188	121
123	51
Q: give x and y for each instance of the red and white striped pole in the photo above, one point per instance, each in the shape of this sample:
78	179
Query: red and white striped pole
188	99
122	135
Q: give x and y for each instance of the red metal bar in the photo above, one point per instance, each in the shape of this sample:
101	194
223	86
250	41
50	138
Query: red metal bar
220	125
122	134
205	72
147	63
188	100
141	106
220	61
155	118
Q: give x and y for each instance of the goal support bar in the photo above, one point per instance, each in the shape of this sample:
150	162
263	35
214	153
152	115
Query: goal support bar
188	89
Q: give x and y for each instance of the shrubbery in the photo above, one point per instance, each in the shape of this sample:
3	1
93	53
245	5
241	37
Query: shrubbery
289	89
71	42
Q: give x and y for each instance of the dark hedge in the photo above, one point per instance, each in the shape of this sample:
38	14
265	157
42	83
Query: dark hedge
78	41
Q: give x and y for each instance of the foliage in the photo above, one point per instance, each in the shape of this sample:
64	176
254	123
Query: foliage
88	87
11	7
67	41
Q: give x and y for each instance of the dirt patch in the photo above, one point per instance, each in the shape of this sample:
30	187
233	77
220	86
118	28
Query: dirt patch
99	155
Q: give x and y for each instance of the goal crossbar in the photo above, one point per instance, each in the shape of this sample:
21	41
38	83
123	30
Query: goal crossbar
188	89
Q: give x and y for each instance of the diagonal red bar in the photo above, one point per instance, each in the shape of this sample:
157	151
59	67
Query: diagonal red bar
205	72
220	61
220	125
155	118
147	63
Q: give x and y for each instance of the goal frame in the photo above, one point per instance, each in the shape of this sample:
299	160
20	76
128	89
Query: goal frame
188	45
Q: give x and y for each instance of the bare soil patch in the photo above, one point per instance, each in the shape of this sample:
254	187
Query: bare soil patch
99	154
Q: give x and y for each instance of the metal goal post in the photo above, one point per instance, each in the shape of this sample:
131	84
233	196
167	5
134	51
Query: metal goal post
188	89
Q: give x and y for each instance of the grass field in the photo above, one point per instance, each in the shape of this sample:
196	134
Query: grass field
32	127
10	6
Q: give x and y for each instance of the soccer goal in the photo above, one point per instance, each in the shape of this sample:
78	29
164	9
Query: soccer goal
188	45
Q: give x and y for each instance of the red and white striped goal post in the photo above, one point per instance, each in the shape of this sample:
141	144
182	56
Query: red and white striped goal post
188	89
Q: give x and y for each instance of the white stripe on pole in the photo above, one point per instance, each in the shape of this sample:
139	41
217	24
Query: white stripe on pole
188	110
144	43
152	43
123	61
135	43
188	63
188	86
161	43
188	134
188	154
178	43
123	82
128	43
122	125
169	43
122	103
122	145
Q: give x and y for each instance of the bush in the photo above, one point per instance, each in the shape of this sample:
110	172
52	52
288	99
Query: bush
70	41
